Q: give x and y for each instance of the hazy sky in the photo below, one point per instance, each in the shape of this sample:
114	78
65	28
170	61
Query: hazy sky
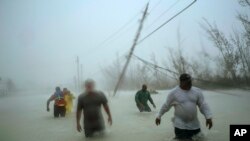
40	39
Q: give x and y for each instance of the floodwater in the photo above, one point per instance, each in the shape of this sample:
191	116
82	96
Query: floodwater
23	117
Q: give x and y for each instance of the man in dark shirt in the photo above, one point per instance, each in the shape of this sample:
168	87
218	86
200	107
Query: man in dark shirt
90	103
141	99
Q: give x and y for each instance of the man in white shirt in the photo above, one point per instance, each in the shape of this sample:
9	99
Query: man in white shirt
185	99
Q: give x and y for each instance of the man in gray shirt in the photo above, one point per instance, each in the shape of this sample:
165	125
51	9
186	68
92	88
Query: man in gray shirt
185	98
90	103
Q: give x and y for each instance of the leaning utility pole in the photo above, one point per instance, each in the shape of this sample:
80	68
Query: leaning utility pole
75	82
81	76
131	50
78	73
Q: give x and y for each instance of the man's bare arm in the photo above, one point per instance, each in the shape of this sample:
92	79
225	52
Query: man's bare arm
106	108
78	116
48	102
78	119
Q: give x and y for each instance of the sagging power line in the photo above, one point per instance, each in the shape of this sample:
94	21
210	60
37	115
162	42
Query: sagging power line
115	34
166	69
154	65
158	68
136	42
123	28
163	13
166	22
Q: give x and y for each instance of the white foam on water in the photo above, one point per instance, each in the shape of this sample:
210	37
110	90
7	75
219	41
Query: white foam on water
199	137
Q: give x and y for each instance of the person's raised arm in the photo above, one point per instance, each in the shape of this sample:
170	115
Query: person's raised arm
205	110
165	107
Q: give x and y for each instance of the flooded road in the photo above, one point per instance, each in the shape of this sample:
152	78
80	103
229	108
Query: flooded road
23	117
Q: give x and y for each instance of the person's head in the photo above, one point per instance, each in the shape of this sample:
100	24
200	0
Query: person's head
89	85
144	87
58	89
185	81
65	90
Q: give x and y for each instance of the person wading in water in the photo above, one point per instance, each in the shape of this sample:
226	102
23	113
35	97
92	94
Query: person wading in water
90	102
185	98
59	105
142	97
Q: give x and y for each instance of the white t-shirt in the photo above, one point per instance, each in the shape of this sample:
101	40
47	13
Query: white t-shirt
185	103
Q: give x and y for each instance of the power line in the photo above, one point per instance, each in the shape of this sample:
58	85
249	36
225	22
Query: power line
156	67
119	31
166	22
109	62
112	36
168	70
156	5
162	14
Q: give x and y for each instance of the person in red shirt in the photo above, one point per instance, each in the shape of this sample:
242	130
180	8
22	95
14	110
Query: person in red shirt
59	104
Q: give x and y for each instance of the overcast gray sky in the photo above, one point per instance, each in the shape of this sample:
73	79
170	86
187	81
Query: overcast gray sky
40	39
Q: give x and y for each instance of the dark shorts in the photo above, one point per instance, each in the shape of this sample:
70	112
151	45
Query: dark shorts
59	111
90	131
185	134
145	108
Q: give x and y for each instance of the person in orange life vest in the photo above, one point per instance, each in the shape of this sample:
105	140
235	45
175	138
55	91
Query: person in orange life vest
59	104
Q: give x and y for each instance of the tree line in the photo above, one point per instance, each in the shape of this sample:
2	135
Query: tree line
229	68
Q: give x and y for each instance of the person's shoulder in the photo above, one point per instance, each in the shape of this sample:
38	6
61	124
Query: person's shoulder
196	90
53	94
174	90
101	96
100	93
82	95
138	91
